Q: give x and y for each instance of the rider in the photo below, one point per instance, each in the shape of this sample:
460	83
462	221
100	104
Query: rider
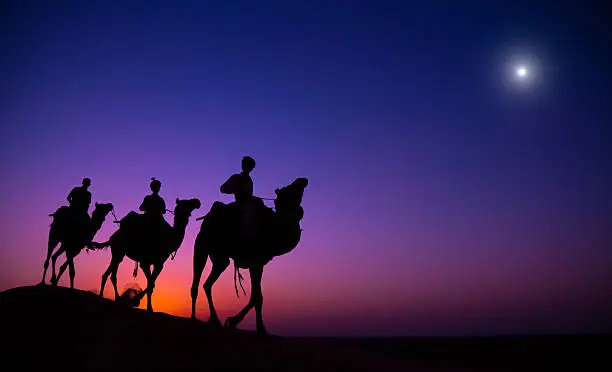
80	199
246	205
153	205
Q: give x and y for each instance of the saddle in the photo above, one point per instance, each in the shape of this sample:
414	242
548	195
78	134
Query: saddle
152	228
140	222
70	216
247	220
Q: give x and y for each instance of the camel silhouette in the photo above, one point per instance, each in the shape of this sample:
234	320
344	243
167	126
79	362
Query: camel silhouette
74	235
218	239
135	240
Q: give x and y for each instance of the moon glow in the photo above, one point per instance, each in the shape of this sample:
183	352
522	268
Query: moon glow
521	71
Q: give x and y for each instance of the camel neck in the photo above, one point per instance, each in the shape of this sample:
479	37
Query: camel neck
179	227
96	222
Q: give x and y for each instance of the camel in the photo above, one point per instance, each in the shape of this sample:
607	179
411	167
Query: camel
73	236
135	240
279	233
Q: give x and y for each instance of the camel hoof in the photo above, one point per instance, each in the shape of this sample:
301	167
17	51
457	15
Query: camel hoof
196	320
215	322
230	323
262	333
135	302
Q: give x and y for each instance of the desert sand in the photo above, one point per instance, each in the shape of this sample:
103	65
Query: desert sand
60	329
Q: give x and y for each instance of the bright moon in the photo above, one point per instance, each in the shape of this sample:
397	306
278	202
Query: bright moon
521	71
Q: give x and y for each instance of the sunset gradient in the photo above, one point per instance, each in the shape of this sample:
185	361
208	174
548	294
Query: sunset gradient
440	200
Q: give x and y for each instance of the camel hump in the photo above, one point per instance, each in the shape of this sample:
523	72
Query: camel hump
217	206
129	218
214	211
62	213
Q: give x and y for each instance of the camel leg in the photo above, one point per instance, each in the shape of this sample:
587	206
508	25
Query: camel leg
70	261
256	300
147	272
54	278
113	266
70	264
256	274
199	262
53	242
219	266
157	269
108	271
114	275
146	269
61	272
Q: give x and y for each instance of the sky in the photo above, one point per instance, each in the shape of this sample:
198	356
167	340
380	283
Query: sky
446	196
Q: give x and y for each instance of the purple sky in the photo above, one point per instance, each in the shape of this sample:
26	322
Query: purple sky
443	198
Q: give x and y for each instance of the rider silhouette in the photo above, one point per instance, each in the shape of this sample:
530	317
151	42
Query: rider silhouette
246	206
241	184
154	209
79	197
153	205
77	211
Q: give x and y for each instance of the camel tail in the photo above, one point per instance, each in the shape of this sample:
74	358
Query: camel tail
135	269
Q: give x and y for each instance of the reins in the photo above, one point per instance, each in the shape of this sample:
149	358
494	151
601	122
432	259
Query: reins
173	253
240	279
114	215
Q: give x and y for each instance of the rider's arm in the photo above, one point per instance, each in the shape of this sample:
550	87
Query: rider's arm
143	204
163	204
70	195
229	185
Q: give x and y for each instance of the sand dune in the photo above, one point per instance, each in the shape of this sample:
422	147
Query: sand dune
64	329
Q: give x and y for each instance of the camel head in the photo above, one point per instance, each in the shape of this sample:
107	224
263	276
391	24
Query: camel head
289	198
184	207
101	211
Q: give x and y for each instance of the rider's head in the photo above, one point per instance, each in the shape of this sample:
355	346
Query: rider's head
248	163
86	182
155	185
